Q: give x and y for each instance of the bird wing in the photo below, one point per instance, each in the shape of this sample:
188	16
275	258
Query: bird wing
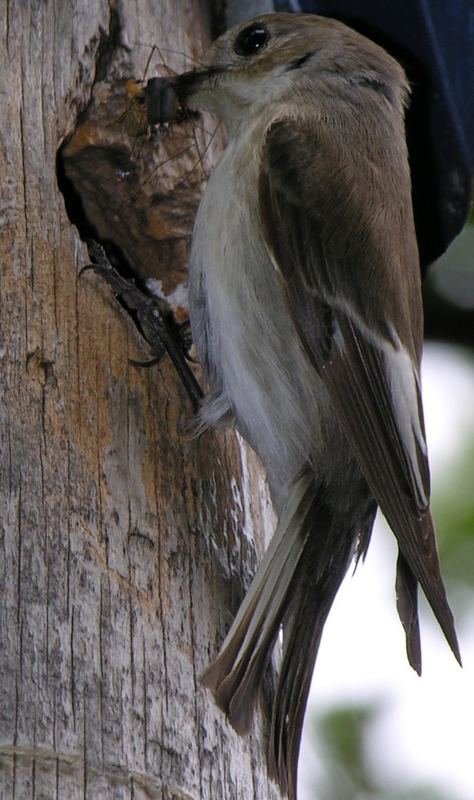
354	298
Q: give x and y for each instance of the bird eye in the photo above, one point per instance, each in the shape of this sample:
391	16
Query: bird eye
251	40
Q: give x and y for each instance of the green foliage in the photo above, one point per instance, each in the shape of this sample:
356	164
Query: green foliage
349	773
453	508
343	732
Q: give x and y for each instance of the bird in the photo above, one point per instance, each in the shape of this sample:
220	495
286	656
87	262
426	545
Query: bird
306	313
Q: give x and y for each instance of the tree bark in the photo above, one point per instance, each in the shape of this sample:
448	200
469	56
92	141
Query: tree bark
125	544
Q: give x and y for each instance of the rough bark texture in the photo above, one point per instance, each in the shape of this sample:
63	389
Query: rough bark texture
124	545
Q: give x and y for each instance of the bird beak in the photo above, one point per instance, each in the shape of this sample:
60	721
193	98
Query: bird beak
165	97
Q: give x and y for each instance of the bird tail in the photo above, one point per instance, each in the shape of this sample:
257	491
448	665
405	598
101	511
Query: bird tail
418	562
294	587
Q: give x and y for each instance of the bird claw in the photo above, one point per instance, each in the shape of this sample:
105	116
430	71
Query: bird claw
153	325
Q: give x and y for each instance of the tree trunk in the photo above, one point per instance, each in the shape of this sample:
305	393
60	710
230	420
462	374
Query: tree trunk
125	544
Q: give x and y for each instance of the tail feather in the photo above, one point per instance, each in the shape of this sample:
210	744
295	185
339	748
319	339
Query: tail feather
235	675
407	605
294	588
290	705
417	543
316	583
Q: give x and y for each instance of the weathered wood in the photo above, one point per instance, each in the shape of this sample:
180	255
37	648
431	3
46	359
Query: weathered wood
124	543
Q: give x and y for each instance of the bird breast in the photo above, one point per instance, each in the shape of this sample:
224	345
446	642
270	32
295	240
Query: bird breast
243	331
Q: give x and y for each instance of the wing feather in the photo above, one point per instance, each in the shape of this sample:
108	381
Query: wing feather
352	286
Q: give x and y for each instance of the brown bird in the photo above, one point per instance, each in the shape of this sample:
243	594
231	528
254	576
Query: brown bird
306	312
